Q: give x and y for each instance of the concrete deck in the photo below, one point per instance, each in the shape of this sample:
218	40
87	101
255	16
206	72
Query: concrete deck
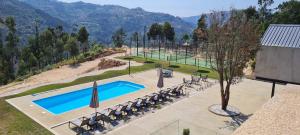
248	96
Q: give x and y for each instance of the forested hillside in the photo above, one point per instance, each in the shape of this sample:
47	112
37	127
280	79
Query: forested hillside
25	17
102	20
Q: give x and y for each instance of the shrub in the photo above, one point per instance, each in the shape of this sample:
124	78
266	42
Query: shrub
186	131
158	107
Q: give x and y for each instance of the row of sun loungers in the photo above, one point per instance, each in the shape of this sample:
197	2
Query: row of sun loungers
111	116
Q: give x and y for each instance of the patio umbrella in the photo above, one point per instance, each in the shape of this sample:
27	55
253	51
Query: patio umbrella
95	99
160	82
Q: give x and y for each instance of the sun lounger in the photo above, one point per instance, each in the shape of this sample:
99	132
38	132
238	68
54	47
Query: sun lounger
105	119
179	90
133	106
187	83
80	123
121	111
195	80
154	98
111	113
204	79
165	95
176	91
95	120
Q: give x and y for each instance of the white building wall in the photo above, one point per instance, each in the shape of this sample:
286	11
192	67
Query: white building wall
278	63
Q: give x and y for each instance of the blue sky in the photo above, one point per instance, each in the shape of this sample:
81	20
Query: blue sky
182	8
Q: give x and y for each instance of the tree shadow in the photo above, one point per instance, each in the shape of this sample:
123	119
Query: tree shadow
203	71
128	58
148	62
74	65
174	66
236	121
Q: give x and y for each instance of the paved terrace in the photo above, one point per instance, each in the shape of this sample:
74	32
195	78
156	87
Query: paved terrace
248	96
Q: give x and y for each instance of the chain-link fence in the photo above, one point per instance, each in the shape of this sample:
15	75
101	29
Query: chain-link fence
179	56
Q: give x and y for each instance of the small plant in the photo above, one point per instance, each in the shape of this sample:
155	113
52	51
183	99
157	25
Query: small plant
158	107
186	131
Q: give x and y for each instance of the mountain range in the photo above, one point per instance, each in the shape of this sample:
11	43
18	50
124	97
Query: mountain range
100	20
25	16
193	20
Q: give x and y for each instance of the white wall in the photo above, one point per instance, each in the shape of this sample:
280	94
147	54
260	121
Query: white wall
278	63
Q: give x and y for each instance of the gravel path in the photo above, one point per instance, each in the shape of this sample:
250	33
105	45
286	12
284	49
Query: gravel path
279	116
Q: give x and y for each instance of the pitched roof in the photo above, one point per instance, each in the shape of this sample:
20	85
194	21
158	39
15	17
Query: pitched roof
282	35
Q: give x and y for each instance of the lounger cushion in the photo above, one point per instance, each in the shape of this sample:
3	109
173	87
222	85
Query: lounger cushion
93	121
76	122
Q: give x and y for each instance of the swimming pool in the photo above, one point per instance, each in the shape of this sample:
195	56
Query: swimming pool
73	100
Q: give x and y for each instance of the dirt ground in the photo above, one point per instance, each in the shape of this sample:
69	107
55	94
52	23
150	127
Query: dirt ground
63	74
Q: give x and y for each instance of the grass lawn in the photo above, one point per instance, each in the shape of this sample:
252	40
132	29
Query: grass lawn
15	122
188	69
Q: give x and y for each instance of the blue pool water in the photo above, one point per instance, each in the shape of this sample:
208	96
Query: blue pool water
69	101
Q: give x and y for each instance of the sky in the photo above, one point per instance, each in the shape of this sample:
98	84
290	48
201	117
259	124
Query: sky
181	8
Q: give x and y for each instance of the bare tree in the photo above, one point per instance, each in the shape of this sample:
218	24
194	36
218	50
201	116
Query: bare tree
232	44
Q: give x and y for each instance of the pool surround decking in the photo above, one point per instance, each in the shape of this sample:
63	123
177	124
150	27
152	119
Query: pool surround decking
48	120
248	96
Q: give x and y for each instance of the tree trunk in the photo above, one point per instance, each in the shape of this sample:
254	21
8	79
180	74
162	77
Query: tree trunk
225	96
223	100
224	106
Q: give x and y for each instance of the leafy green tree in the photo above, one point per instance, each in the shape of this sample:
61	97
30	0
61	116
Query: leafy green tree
200	33
251	13
47	42
118	37
168	31
32	61
3	71
25	54
288	13
135	37
83	37
12	41
96	48
186	37
202	22
265	13
22	68
59	49
59	43
59	31
156	33
72	47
